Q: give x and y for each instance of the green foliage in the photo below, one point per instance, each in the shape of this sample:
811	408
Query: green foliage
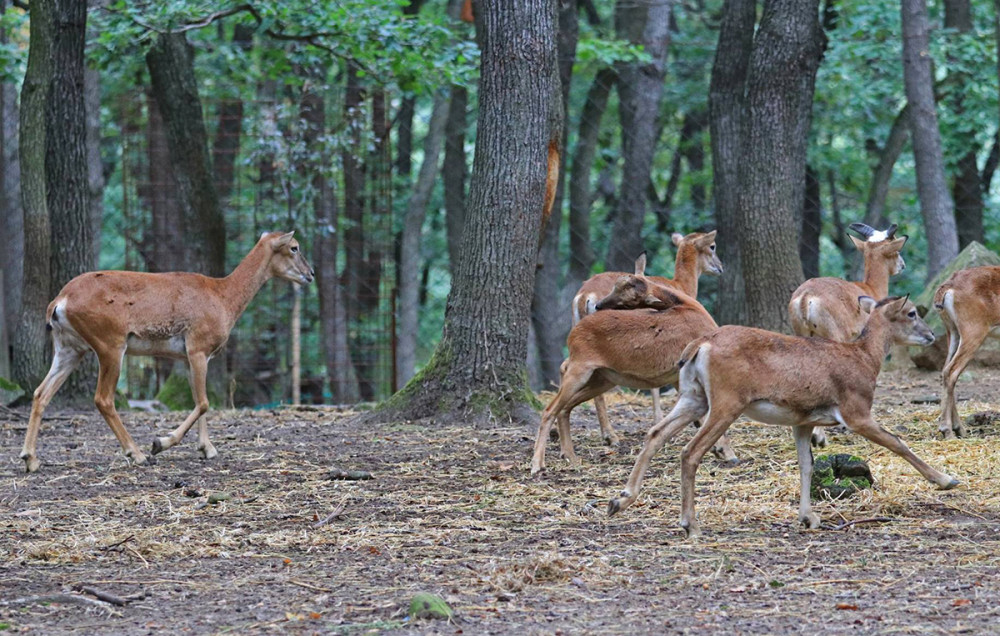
14	50
175	393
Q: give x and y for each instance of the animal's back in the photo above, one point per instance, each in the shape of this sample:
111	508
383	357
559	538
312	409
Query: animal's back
827	308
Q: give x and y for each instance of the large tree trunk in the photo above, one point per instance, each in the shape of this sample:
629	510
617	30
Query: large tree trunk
729	72
640	87
171	69
935	202
454	168
11	217
66	173
780	83
409	260
478	370
549	317
581	197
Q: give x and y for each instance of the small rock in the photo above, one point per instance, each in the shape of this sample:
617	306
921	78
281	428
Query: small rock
926	399
426	605
218	497
839	476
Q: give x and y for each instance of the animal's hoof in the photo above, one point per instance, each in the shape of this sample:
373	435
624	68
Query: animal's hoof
947	433
960	431
208	452
157	446
612	440
732	462
951	484
31	463
553	434
536	469
819	440
144	460
691	531
614	507
810	521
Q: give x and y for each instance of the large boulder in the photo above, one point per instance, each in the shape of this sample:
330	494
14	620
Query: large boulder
932	358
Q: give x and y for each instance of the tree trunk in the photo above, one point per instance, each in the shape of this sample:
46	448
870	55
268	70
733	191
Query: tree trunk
478	370
879	189
729	72
693	150
354	186
640	87
936	205
95	166
11	216
171	69
165	249
408	308
812	225
966	190
66	174
226	146
780	83
581	198
454	170
404	137
30	363
549	317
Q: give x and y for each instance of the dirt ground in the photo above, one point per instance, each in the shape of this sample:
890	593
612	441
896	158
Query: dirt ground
455	513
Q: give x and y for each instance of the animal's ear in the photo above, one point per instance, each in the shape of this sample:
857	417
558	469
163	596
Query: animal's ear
922	310
897	244
655	303
283	240
858	243
677	237
708	239
867	303
640	264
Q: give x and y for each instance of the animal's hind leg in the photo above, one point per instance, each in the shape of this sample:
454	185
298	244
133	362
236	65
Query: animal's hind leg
64	360
607	432
951	423
110	359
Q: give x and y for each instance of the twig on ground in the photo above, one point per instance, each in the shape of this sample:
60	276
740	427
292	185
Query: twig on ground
333	515
848	524
58	598
309	586
118	543
104	596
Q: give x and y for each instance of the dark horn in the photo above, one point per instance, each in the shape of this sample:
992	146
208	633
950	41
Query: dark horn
862	229
891	232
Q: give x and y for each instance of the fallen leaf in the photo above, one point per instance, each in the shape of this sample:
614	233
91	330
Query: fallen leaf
959	602
846	606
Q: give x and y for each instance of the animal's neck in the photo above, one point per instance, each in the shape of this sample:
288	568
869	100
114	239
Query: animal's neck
874	341
686	271
876	276
245	281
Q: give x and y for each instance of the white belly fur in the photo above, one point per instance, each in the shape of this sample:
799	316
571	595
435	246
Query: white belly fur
770	413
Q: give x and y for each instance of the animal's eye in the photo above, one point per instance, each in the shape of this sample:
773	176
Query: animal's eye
913	313
712	247
295	249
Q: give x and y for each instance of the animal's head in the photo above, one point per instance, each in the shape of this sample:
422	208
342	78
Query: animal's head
287	261
906	323
703	246
636	292
881	246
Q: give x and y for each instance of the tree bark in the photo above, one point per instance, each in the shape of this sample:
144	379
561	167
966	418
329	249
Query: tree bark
581	197
640	87
936	205
478	370
878	191
780	84
409	260
165	250
171	69
454	169
95	166
549	317
11	216
226	146
729	73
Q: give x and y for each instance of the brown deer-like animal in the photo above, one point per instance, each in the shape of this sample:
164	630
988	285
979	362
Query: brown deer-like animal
828	307
785	380
172	315
969	304
623	346
695	256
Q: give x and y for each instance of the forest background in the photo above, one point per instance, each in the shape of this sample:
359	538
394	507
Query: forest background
354	123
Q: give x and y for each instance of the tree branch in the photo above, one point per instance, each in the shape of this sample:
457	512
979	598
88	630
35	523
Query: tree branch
20	4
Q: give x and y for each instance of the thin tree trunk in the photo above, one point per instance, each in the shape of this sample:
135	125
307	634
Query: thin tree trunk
454	171
11	216
640	87
409	262
812	225
30	363
171	69
95	167
780	83
165	249
548	314
478	370
226	146
404	137
729	72
693	150
878	191
936	205
581	197
354	184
